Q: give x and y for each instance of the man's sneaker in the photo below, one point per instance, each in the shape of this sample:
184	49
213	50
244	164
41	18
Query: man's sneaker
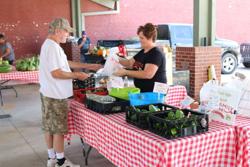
51	162
67	163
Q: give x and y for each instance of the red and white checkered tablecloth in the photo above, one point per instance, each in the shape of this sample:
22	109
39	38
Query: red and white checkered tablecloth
175	95
126	145
29	76
243	141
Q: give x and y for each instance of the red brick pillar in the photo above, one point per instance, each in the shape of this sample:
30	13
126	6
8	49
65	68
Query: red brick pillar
72	51
197	60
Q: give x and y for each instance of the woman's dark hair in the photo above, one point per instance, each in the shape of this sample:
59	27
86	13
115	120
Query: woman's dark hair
2	36
149	31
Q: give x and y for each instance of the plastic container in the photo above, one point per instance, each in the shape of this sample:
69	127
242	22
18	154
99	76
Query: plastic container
123	93
126	82
87	83
140	118
107	108
146	98
80	94
171	129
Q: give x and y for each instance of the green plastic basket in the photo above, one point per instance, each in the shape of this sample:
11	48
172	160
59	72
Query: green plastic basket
123	93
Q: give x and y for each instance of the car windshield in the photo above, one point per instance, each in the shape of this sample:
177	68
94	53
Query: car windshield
182	34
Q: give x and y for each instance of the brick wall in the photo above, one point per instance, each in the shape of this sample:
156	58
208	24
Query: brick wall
197	61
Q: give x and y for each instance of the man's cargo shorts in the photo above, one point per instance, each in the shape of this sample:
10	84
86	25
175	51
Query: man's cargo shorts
54	115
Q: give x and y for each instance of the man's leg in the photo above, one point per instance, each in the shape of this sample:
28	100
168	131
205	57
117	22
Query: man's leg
46	117
58	141
49	140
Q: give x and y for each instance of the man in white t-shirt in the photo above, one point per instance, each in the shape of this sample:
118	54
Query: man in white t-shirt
55	79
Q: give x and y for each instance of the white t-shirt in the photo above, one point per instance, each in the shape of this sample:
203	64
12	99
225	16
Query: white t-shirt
52	57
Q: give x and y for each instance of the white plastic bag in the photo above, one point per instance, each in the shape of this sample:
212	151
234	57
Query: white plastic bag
209	97
221	101
112	63
115	82
244	104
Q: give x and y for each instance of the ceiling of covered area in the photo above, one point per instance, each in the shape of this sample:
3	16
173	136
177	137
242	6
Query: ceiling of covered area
107	3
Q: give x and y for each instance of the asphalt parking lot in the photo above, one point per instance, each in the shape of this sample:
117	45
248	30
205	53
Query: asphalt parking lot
241	69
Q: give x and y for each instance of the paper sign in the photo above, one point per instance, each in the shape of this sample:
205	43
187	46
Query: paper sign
161	88
230	96
224	114
187	101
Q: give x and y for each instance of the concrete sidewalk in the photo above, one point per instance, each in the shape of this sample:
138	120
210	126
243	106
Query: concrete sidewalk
21	138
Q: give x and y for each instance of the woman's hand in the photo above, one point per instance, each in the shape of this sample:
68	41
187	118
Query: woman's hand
120	73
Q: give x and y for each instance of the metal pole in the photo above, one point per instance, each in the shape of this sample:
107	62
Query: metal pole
204	22
76	17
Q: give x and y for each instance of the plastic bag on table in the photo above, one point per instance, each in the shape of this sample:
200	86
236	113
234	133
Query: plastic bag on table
115	82
209	97
244	107
221	102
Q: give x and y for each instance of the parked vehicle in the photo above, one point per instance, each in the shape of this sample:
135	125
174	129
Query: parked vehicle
245	53
132	46
182	35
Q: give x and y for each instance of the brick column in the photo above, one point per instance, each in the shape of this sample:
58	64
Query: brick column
71	50
197	60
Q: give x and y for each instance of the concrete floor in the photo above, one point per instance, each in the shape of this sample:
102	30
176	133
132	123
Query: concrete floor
21	138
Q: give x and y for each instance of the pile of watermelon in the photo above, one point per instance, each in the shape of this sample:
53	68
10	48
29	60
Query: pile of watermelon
27	64
4	66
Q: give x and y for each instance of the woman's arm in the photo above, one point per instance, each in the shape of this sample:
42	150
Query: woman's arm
127	63
148	72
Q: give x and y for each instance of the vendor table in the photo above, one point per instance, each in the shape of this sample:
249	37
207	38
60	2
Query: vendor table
243	141
126	145
27	76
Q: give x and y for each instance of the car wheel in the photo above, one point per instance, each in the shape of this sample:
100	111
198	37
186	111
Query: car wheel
246	64
229	63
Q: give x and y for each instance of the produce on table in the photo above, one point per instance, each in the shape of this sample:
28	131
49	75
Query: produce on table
5	67
179	114
100	51
186	121
27	64
171	115
100	98
141	114
151	108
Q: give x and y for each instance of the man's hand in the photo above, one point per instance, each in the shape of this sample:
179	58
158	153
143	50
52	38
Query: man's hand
81	75
84	39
